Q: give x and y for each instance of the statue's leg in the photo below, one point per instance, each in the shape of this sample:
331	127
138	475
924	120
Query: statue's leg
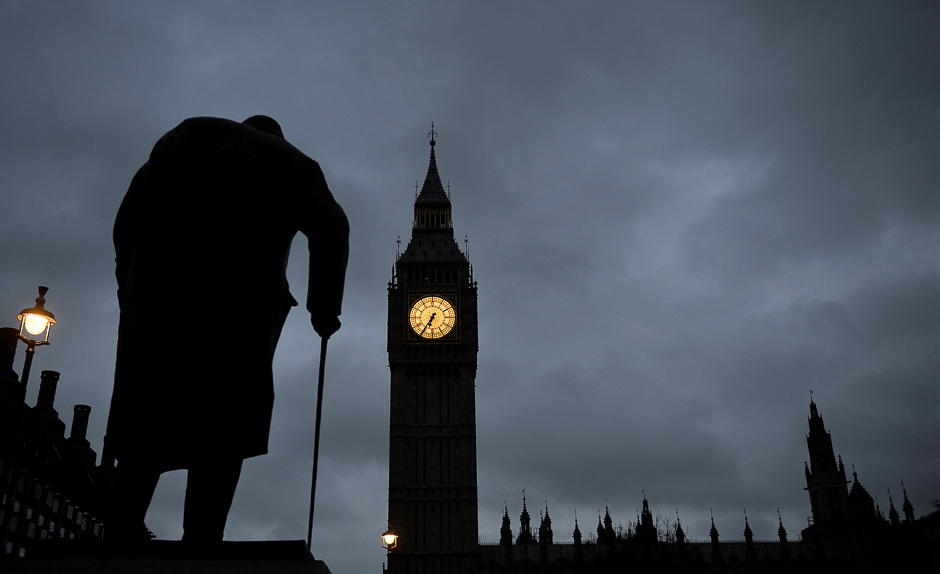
133	490
210	488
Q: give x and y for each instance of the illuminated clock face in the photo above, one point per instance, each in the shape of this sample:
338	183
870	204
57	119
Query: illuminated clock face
432	317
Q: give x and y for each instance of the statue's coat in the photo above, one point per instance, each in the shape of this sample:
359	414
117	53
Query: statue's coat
202	240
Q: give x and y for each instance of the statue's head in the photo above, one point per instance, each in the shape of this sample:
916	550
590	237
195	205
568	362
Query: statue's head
265	124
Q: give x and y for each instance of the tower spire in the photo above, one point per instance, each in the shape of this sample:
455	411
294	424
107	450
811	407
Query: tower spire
907	507
433	190
525	524
892	511
505	530
680	534
825	476
713	534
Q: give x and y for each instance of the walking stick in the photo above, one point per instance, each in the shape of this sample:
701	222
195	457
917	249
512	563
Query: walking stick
316	439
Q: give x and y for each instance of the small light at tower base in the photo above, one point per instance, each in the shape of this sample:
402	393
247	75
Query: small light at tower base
389	539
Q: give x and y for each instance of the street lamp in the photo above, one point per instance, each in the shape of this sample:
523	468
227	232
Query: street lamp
389	539
35	321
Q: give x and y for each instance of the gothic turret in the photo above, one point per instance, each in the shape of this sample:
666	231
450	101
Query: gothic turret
578	550
716	549
750	552
892	511
605	534
645	529
907	507
861	504
680	534
545	529
782	535
525	526
545	536
825	479
505	531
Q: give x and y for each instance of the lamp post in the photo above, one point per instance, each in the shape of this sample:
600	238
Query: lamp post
36	321
389	541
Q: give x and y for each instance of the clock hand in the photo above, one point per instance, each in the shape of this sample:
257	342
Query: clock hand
428	324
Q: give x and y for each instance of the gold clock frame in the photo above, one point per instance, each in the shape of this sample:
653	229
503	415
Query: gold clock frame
411	332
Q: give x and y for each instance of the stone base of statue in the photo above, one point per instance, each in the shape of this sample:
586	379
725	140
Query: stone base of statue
165	557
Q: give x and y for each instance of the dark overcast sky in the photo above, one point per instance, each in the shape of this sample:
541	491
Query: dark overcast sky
682	218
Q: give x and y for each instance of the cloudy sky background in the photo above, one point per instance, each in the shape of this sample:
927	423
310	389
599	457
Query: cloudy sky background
682	218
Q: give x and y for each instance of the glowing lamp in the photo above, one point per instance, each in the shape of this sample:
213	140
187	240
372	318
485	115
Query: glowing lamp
37	320
389	539
35	324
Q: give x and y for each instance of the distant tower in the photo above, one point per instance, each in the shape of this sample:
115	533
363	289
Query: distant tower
578	549
825	480
432	356
784	544
645	529
545	528
907	507
749	551
893	512
505	536
716	548
505	531
525	525
682	551
608	535
861	504
546	538
680	534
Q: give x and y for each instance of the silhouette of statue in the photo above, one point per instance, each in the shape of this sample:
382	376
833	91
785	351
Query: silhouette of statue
202	240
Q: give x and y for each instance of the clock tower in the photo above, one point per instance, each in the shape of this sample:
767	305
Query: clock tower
432	356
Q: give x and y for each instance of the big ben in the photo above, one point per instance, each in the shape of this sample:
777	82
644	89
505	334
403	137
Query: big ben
432	356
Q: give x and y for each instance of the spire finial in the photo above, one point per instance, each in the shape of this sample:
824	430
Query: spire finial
433	135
